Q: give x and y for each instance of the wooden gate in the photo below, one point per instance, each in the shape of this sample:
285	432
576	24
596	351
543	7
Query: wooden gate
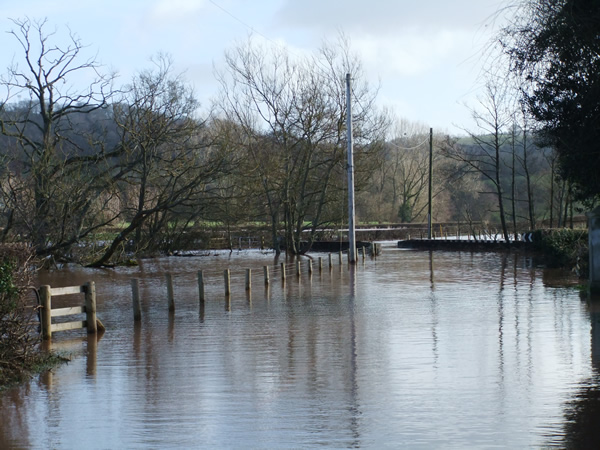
47	313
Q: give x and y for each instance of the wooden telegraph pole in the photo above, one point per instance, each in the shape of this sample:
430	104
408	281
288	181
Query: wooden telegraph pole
430	182
351	225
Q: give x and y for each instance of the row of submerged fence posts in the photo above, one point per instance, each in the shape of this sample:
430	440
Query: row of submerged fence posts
135	288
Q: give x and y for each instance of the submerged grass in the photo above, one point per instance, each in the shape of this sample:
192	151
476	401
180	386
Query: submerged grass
40	363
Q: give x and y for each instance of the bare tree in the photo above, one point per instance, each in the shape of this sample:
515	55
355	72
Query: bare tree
409	161
464	187
167	165
293	115
484	155
525	161
55	170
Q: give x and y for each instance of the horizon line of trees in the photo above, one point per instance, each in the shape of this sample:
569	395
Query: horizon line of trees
139	159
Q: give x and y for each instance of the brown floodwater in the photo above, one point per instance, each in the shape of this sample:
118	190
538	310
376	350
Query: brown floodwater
412	349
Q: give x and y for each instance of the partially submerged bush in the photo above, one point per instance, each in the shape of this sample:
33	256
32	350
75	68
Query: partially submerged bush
564	248
19	337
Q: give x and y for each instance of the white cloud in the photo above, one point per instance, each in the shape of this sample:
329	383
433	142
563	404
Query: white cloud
425	55
385	16
410	54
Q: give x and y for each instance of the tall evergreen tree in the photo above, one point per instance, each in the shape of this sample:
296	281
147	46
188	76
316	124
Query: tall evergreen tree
554	46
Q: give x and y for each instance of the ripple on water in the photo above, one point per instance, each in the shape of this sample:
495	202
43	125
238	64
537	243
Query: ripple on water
413	349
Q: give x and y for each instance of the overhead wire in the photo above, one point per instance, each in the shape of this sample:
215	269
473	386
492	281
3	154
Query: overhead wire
254	30
408	148
251	28
390	143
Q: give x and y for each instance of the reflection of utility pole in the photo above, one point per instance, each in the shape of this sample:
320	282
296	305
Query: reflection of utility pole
431	278
430	182
355	409
351	226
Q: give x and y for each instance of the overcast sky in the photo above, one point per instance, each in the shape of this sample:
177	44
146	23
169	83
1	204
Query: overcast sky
426	56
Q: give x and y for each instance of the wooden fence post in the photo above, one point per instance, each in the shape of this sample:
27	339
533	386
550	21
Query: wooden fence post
330	262
170	295
137	309
310	269
340	258
248	279
266	272
227	278
90	307
283	272
45	299
298	271
201	286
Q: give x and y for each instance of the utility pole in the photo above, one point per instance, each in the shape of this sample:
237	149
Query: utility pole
351	225
430	182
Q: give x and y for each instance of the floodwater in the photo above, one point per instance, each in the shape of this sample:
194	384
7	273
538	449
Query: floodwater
413	349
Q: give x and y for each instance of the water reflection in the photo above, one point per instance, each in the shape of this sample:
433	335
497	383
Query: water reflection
433	311
202	311
583	411
354	408
91	356
421	349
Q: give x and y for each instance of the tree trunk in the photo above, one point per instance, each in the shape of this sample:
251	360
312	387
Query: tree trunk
530	204
499	191
552	193
513	184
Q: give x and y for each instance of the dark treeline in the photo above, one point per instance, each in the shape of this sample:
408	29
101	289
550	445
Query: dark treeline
97	174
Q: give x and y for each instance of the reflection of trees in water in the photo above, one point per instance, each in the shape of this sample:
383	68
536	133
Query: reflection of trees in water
582	414
14	426
582	418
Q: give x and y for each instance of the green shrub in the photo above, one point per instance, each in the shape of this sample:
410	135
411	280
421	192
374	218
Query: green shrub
564	248
19	337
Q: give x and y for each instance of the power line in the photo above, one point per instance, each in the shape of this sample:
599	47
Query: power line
388	142
408	148
251	28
